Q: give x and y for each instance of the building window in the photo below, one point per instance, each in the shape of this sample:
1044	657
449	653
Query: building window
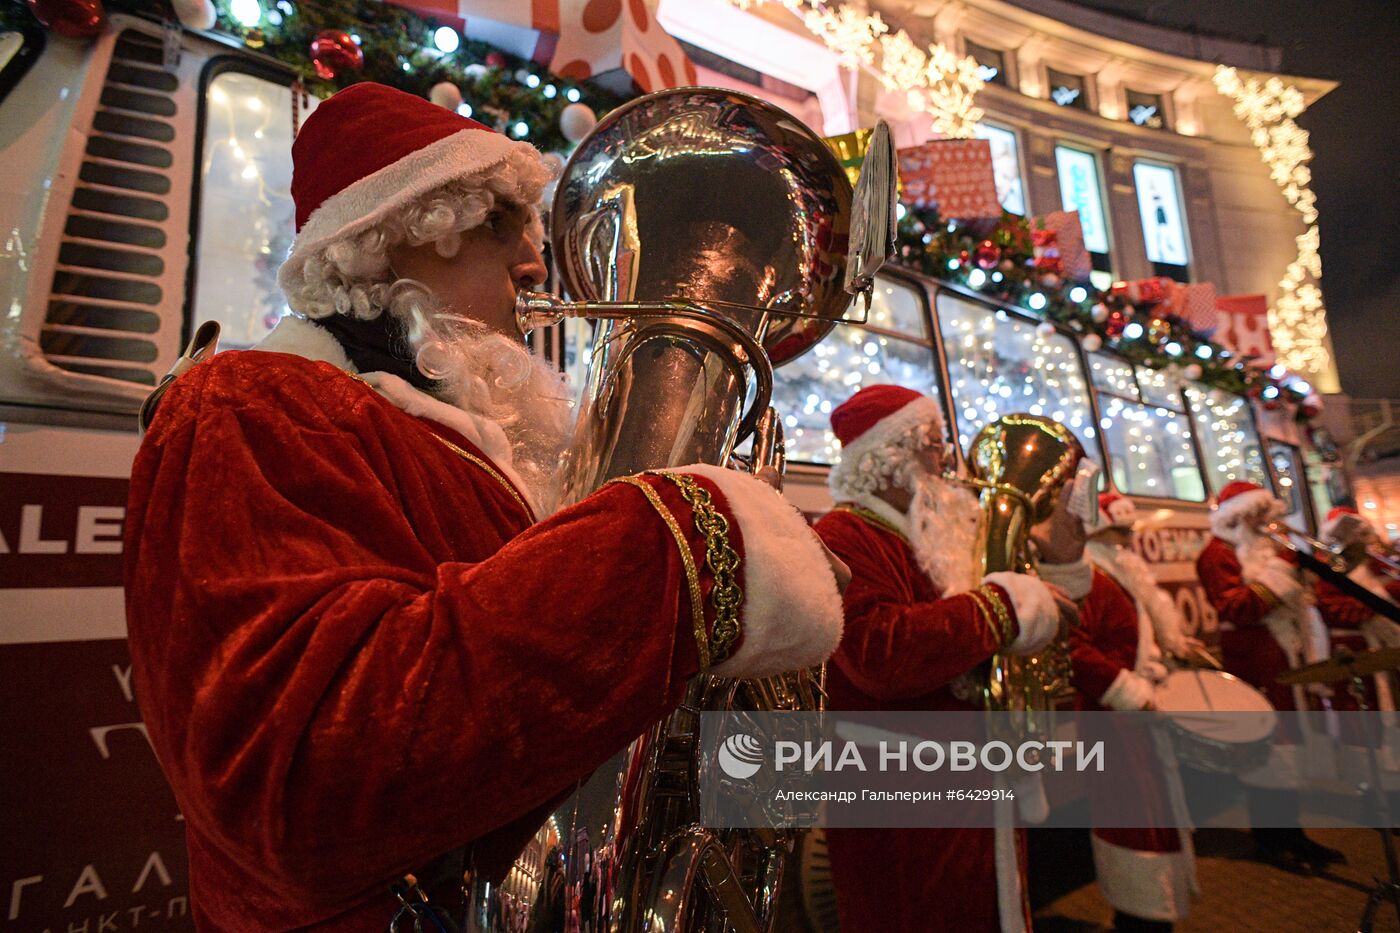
1006	166
1147	110
1068	90
246	215
991	63
999	364
1163	222
1080	190
893	346
1144	423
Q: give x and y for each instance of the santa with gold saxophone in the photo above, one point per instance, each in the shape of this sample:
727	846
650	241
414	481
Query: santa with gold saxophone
919	618
1352	623
362	643
1128	627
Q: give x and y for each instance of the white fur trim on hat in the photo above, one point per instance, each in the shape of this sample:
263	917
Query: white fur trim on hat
791	613
1121	513
1037	613
359	206
1226	516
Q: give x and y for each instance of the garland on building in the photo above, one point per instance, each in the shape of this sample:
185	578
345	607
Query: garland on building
1011	262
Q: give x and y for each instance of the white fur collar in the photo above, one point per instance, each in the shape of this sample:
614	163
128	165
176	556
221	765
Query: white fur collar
300	337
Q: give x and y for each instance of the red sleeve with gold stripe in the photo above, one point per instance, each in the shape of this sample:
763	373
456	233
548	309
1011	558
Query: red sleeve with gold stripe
1222	579
900	639
1105	641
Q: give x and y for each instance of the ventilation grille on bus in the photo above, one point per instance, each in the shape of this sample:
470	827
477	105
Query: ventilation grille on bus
104	309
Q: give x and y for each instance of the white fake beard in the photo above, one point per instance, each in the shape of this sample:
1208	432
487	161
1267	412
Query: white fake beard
943	520
496	378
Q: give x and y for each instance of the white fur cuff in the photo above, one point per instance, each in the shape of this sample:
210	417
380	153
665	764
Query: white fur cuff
792	613
1127	692
1037	613
1075	579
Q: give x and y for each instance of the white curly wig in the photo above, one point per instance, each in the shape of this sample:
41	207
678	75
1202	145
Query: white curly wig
350	274
863	472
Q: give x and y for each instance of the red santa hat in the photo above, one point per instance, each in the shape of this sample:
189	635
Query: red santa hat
370	149
1332	529
873	426
1116	511
1238	499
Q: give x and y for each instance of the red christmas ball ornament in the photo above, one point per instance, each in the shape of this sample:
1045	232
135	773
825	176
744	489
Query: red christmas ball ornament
1117	320
495	60
77	19
334	53
1007	266
1310	410
964	256
987	255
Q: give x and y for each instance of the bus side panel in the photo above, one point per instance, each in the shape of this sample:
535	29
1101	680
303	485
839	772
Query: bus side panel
93	837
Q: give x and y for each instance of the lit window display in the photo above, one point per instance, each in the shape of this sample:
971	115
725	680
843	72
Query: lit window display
1229	441
892	347
246	215
1006	166
1145	427
999	365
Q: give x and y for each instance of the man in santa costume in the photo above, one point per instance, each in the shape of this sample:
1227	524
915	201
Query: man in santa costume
918	618
362	645
1127	626
1267	626
1353	624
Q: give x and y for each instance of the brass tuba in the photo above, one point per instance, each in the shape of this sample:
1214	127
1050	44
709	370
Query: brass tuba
706	231
1020	464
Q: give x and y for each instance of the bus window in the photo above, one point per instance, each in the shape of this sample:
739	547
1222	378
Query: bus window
1144	424
1229	440
246	215
998	365
1288	471
892	347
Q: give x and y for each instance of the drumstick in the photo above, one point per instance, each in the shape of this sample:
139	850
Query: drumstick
1209	658
1204	695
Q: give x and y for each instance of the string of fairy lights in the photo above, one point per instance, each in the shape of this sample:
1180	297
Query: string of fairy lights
934	79
1297	320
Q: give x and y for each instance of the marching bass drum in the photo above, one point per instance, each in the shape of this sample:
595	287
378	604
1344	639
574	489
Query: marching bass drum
1218	722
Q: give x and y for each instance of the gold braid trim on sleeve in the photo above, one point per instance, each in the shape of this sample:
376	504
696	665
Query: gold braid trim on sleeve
1003	615
692	574
1264	593
722	560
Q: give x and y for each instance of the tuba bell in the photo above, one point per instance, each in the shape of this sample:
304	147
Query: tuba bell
706	232
1020	464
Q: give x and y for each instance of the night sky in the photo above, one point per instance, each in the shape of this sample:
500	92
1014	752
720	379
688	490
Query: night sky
1356	140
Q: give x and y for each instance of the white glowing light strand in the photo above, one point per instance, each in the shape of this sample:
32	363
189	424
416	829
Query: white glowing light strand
935	81
1298	320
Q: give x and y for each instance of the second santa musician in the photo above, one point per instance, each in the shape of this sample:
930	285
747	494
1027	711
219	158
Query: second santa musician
1127	625
918	617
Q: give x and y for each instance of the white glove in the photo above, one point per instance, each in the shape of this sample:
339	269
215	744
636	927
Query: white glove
1282	582
1128	692
1153	671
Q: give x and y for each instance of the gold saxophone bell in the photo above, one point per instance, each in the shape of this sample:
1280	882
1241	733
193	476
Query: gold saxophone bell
1020	464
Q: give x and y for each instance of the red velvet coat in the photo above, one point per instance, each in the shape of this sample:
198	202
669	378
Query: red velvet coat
1103	644
1249	650
901	649
354	652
